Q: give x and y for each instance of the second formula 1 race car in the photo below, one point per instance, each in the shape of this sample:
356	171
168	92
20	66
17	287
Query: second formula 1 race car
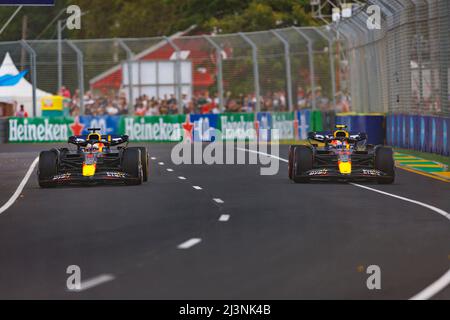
343	156
96	159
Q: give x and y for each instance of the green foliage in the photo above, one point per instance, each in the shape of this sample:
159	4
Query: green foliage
262	15
147	18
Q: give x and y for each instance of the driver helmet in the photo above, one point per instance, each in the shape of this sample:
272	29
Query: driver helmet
95	147
338	144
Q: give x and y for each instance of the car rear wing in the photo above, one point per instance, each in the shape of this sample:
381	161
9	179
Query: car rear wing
108	140
325	137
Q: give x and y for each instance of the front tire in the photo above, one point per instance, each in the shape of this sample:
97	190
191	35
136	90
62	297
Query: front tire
291	161
47	168
303	162
384	161
144	162
131	164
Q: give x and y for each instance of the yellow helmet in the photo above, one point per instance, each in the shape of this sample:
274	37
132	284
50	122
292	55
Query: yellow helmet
341	131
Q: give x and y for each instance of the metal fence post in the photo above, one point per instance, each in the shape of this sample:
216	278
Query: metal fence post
219	71
311	66
177	73
32	54
255	69
332	66
130	56
80	70
287	58
60	58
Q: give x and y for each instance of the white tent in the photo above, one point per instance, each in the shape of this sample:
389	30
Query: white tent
22	92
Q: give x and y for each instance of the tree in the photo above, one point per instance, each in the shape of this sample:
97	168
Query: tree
150	18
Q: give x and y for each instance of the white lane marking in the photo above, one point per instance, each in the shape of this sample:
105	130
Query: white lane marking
436	286
197	187
19	190
190	243
96	281
170	170
153	158
182	178
437	210
218	200
443	281
224	218
161	163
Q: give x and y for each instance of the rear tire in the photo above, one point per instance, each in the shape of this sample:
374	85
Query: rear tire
384	161
303	162
48	167
144	162
131	164
291	161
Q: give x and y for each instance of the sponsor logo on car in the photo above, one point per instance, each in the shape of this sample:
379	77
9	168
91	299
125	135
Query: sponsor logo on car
320	172
115	174
62	176
371	172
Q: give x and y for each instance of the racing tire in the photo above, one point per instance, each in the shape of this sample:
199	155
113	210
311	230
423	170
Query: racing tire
291	161
144	162
47	168
384	161
131	164
303	162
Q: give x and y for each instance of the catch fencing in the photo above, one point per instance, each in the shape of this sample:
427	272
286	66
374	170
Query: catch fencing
403	67
276	70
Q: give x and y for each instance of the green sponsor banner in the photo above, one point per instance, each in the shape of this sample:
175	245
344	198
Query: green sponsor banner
39	129
316	121
237	126
168	128
284	123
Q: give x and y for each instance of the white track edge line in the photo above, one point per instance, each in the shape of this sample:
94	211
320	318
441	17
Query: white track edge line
19	189
436	286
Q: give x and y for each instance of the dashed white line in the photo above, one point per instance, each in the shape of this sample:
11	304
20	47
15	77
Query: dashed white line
197	187
161	163
189	244
218	200
182	178
93	282
224	218
19	190
169	170
436	286
153	158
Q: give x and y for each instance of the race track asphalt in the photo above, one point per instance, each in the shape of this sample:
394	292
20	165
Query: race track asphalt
282	240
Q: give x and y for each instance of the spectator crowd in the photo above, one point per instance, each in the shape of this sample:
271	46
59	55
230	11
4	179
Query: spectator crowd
200	103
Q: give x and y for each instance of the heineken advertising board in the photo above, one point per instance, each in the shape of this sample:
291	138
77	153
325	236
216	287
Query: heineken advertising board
154	128
284	123
237	126
168	128
40	129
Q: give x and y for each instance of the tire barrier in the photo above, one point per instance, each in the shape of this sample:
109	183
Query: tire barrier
421	133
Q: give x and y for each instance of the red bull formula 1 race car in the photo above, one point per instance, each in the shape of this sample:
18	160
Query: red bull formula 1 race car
97	159
344	156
